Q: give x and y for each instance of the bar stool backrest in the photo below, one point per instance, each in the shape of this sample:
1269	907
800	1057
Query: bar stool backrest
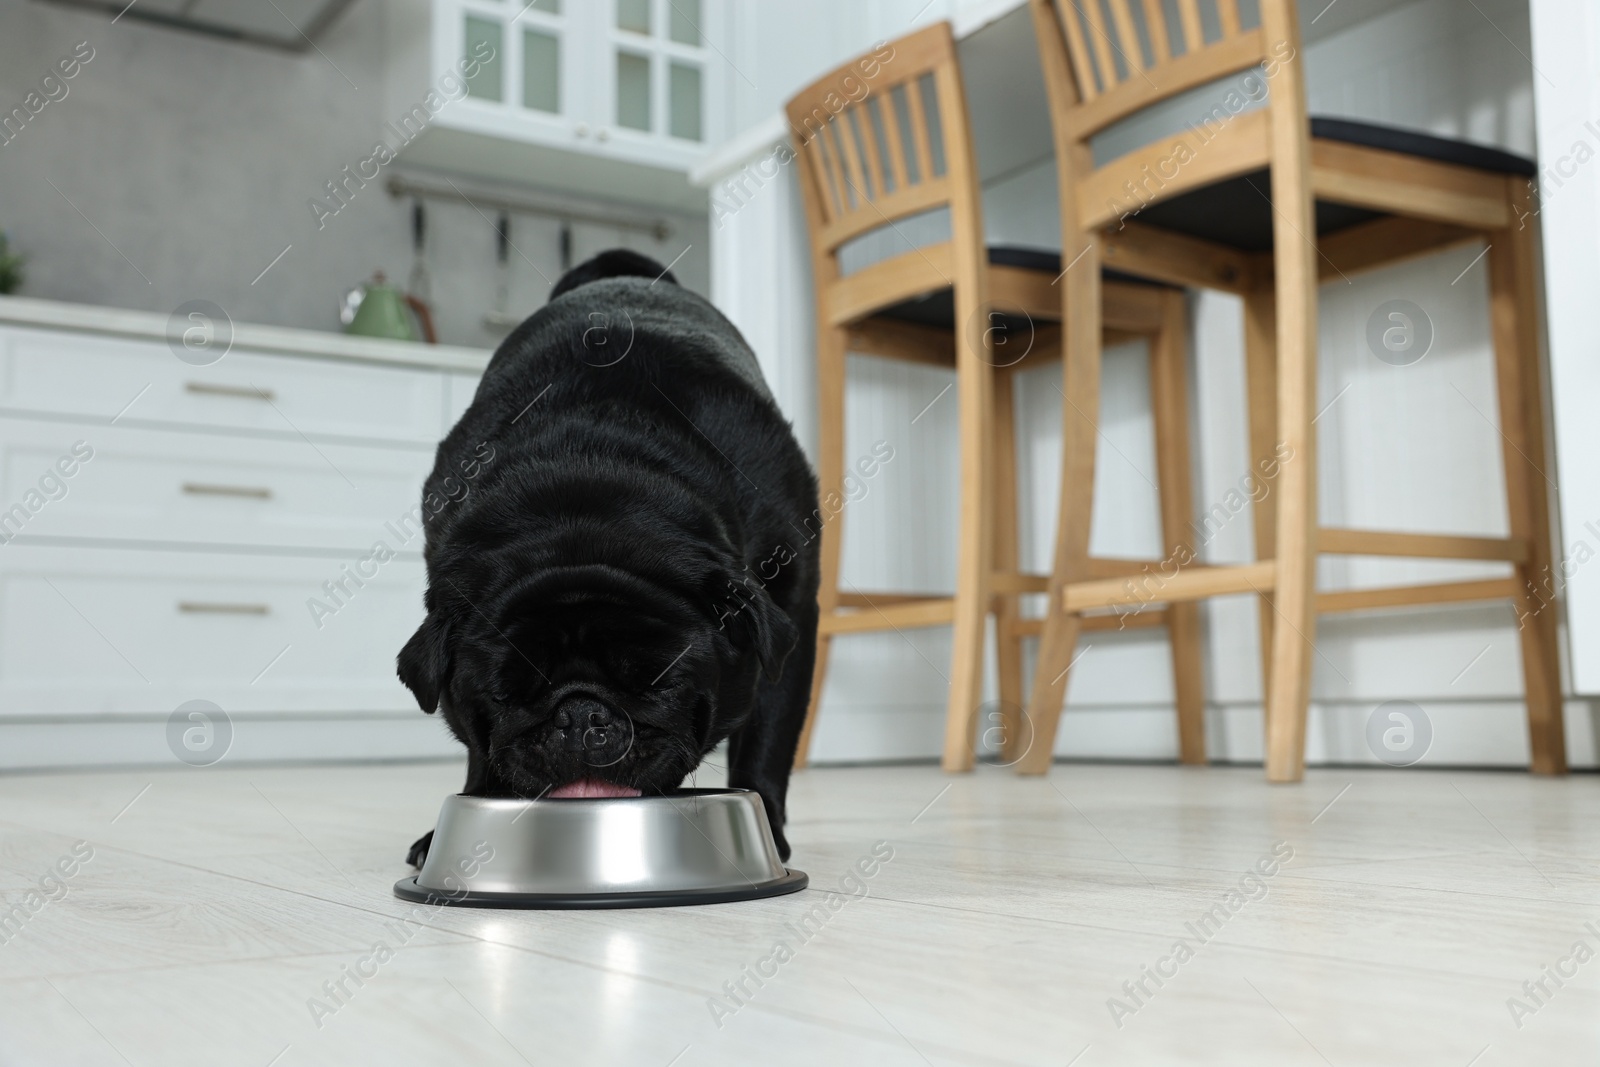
1125	55
1105	60
885	137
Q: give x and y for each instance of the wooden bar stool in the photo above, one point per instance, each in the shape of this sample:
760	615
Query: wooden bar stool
1265	203
873	149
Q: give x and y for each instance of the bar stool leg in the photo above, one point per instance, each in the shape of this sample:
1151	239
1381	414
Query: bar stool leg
1169	400
974	542
1080	355
1261	385
1294	262
1513	304
831	354
975	375
1007	560
1294	632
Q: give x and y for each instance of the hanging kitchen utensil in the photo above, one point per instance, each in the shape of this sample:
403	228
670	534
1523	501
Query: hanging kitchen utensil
501	318
419	288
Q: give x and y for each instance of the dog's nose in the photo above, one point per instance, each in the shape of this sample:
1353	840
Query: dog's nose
583	712
600	734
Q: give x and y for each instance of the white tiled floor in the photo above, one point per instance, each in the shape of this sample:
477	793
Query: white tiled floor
1414	906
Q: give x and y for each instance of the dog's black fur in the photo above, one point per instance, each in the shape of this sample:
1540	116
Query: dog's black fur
621	551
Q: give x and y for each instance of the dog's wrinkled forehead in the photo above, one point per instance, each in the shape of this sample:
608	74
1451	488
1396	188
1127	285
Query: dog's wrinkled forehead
626	638
587	638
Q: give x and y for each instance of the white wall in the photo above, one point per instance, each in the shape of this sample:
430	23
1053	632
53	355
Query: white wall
780	48
196	158
1409	448
1566	49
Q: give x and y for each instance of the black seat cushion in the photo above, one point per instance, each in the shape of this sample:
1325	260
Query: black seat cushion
1238	212
1049	261
1422	145
938	308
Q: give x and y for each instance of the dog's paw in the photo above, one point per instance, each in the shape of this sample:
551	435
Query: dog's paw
419	850
782	843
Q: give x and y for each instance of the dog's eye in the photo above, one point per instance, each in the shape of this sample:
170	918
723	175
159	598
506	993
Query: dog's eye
639	672
507	692
632	671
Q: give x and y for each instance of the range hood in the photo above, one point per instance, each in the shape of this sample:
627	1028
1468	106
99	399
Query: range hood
288	24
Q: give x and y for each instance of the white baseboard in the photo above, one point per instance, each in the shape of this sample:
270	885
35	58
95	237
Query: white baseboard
126	740
1486	733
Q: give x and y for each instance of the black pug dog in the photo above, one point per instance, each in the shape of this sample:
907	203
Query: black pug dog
622	560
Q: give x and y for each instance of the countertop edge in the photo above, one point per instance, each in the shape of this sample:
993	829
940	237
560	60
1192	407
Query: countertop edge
34	313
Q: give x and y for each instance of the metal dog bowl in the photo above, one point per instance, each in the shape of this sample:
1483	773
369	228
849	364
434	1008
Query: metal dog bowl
696	846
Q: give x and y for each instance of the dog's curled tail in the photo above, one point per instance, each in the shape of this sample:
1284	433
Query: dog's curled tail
615	263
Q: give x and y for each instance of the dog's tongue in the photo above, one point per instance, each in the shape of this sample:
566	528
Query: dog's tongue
590	788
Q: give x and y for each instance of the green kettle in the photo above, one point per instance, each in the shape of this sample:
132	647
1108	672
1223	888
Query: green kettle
377	309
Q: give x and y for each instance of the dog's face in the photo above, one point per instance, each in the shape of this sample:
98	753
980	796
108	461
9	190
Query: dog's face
589	680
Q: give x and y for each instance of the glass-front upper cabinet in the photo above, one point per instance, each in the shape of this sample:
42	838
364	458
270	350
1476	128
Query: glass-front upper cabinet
638	80
657	51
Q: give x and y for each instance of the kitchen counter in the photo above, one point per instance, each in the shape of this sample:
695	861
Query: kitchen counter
269	340
243	532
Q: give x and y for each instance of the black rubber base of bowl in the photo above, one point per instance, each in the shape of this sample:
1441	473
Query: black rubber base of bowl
792	882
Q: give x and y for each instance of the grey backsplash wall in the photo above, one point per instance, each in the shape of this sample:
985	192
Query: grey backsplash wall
192	161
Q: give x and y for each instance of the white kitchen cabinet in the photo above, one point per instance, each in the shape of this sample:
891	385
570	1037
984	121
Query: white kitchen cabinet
459	391
590	96
137	633
625	79
141	383
176	487
171	532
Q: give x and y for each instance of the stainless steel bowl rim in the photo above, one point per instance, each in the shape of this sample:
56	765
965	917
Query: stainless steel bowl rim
690	846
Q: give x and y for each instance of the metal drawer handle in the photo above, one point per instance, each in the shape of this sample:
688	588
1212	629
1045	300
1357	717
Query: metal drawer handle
201	607
248	392
202	489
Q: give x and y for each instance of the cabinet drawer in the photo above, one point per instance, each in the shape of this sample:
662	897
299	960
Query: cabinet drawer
460	389
107	630
97	379
196	488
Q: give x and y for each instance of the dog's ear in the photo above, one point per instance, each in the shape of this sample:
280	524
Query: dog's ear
758	626
424	664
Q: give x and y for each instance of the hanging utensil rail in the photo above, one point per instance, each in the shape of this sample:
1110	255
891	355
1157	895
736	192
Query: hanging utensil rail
401	187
